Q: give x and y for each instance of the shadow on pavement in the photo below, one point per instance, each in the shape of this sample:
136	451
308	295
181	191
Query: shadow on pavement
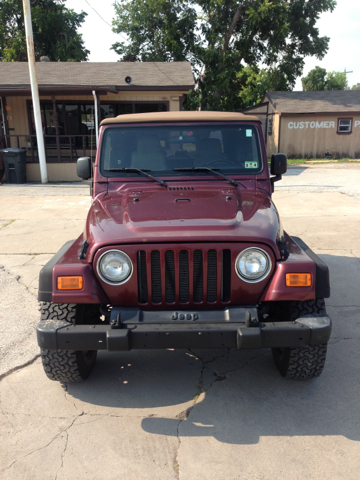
252	400
257	403
295	170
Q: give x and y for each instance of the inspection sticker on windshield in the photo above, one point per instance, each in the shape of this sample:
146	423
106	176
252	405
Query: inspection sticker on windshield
251	164
249	133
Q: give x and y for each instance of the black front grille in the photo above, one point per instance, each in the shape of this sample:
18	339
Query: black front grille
211	275
156	276
142	280
183	276
169	276
198	275
177	268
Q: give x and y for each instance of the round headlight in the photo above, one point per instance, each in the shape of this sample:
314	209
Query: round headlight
253	265
115	267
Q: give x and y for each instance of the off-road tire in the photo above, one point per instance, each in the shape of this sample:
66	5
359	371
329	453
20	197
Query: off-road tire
65	365
307	362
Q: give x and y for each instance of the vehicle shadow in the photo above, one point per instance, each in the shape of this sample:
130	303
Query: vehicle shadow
256	402
295	170
244	396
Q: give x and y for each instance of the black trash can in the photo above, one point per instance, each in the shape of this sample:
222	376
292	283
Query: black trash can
15	164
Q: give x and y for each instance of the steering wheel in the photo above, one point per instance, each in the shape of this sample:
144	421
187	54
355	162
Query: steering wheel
221	162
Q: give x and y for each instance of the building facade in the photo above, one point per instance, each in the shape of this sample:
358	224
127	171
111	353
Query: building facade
69	93
323	124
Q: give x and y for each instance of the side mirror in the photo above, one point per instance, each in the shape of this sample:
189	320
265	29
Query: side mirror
83	168
278	167
278	164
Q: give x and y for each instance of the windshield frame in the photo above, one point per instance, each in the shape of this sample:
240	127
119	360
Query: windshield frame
171	175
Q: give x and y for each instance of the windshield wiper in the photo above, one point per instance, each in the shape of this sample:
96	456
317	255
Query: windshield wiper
205	169
138	170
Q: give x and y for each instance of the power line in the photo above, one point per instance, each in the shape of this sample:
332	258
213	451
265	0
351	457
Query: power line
103	19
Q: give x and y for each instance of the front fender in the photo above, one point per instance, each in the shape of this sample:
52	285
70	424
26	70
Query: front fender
67	262
301	259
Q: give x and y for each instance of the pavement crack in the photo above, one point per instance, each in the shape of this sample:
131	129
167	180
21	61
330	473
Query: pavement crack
66	395
334	341
45	446
183	416
176	464
256	357
17	278
353	254
19	367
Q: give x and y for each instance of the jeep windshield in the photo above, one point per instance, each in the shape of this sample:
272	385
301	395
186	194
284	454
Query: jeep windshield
178	150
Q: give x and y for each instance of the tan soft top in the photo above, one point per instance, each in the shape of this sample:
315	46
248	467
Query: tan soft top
181	117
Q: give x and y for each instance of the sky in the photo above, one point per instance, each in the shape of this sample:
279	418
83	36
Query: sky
342	26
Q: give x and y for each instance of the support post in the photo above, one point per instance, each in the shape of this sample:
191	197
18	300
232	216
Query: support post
35	90
96	117
56	128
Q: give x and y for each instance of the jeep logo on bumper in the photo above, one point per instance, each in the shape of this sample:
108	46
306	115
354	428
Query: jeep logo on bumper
184	316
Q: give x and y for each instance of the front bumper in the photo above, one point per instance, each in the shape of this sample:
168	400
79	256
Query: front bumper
231	328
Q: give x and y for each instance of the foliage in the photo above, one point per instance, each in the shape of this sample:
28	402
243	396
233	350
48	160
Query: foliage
193	100
315	79
54	31
356	87
319	79
223	37
335	81
255	83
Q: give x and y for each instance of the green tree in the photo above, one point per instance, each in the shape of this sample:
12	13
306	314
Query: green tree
356	87
221	37
256	82
315	79
335	81
319	79
54	30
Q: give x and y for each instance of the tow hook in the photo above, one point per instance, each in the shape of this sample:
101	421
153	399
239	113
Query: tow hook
251	321
115	323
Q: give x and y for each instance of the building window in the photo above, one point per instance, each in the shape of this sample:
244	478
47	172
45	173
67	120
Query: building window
77	118
344	125
270	126
115	109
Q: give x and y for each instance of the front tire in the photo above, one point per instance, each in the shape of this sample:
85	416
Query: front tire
65	365
68	365
307	362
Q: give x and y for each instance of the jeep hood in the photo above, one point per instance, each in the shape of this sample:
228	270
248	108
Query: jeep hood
195	213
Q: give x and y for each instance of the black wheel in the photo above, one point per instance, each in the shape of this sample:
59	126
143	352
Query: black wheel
307	362
65	365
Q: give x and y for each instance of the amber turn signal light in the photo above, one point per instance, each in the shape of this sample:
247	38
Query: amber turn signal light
70	283
298	279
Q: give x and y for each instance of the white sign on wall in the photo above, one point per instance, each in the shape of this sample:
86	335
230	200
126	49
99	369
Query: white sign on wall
302	125
313	124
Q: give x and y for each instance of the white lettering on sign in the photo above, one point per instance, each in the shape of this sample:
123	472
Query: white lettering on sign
357	123
302	125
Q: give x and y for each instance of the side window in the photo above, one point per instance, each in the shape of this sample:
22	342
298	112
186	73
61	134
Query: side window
270	126
344	125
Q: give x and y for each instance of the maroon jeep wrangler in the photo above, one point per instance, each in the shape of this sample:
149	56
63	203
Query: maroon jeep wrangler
183	248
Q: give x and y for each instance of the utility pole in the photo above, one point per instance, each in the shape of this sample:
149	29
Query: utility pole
35	90
347	87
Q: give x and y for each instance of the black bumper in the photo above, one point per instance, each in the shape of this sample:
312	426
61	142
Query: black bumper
153	330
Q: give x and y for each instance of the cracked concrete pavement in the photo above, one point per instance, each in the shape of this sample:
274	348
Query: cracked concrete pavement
178	414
